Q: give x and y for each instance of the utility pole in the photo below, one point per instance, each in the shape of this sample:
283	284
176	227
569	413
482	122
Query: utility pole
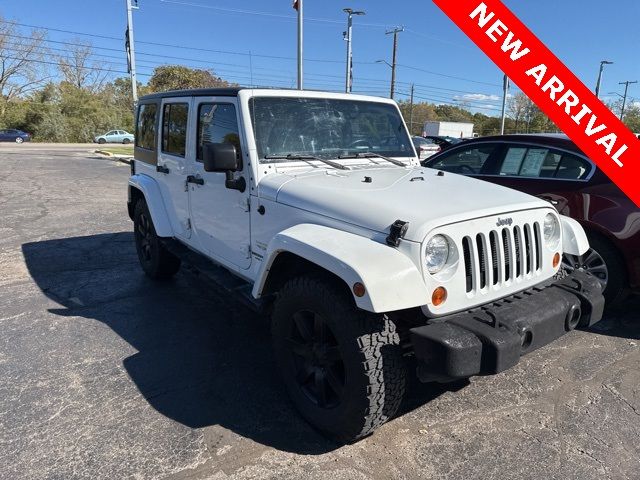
349	75
505	92
602	64
411	112
297	5
395	32
624	98
131	55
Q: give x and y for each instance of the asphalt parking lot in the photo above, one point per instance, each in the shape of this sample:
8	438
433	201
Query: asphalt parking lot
105	374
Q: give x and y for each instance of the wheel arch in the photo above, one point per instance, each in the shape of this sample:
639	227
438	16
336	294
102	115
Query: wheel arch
594	230
392	282
143	187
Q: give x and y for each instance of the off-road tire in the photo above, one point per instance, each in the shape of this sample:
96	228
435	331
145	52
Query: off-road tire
616	289
369	345
156	261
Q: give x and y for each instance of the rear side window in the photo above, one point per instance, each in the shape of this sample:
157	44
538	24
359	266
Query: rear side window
146	126
469	160
174	128
217	123
540	162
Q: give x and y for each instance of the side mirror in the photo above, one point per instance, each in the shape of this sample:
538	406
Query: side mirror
220	157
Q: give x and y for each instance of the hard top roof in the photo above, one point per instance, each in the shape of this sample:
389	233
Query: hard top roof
196	92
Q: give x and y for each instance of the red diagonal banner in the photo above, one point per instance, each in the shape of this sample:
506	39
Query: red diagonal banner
552	86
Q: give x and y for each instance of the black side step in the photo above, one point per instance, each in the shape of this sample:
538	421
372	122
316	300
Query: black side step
219	276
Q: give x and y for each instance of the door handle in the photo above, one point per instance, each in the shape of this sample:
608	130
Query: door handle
195	179
162	169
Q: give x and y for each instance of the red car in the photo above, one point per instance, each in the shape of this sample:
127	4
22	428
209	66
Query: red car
553	168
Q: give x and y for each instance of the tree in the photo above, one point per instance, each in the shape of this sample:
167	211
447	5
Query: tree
632	117
80	70
22	67
422	112
517	107
178	77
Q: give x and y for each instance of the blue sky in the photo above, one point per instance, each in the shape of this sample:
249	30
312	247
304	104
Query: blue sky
444	65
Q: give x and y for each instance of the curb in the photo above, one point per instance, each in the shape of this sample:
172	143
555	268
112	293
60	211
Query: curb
104	152
115	156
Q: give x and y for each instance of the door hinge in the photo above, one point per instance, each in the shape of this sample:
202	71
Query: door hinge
188	224
247	204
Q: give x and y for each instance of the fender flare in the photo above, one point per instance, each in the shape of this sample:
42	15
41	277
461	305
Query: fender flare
392	281
151	192
574	239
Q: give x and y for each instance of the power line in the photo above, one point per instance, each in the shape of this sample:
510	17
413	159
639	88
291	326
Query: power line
361	80
231	52
447	76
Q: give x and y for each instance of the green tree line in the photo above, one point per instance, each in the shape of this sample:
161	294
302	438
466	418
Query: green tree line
71	98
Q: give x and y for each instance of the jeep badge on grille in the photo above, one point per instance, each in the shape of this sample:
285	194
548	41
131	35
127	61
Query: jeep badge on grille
504	221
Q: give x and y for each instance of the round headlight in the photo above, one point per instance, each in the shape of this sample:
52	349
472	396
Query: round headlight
551	230
437	253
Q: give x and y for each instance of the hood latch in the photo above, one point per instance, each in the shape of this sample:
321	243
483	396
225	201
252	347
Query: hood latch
396	232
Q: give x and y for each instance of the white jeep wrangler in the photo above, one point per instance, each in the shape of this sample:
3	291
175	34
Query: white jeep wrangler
313	207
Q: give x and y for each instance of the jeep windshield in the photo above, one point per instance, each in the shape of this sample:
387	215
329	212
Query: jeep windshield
288	128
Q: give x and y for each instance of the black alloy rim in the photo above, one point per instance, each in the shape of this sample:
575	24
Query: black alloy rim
318	365
144	237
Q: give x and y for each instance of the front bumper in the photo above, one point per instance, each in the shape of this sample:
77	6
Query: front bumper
492	338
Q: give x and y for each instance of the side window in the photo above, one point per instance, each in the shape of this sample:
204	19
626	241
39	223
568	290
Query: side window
174	128
146	126
529	162
573	167
468	160
542	162
217	123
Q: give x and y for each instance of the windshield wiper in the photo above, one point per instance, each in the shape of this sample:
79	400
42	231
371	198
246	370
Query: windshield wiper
374	155
307	157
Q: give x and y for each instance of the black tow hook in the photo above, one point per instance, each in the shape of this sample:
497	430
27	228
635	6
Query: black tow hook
573	318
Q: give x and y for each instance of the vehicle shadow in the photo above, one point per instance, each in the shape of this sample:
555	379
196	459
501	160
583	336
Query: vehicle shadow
621	321
202	359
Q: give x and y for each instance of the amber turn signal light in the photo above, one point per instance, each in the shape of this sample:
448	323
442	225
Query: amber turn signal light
358	289
438	296
556	260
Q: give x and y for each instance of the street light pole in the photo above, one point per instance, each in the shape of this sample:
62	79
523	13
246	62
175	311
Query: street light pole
395	32
349	80
505	92
602	64
298	6
624	98
411	112
131	56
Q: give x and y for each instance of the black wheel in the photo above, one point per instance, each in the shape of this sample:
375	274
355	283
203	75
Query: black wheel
126	141
102	141
603	261
342	367
156	261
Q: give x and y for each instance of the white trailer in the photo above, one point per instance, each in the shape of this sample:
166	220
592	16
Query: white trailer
448	129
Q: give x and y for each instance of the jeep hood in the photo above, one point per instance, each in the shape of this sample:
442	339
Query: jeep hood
375	198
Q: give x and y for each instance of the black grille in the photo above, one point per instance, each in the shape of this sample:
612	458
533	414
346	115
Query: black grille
501	256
